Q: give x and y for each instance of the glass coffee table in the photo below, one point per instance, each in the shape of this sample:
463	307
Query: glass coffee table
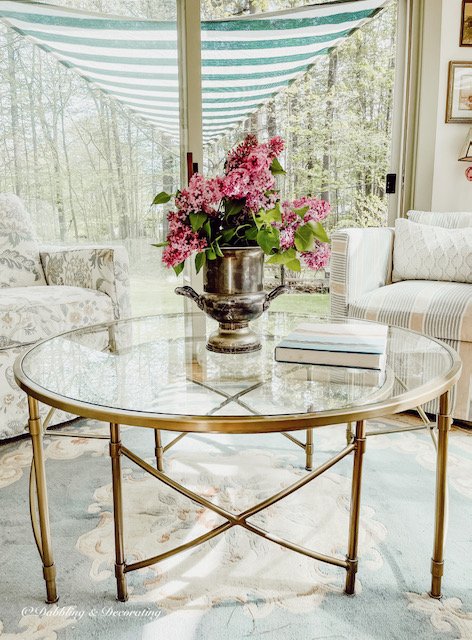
156	373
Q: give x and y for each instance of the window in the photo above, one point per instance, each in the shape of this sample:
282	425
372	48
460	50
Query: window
336	120
87	167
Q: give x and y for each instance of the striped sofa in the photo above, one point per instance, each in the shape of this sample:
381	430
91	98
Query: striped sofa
361	287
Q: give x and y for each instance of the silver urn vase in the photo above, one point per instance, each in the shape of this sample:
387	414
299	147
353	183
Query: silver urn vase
234	295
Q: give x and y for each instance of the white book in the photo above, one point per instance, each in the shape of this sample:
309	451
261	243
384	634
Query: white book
336	344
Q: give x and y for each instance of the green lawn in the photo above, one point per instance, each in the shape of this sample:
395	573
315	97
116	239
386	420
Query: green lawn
151	295
316	303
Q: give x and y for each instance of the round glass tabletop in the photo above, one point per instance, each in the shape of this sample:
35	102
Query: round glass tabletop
156	371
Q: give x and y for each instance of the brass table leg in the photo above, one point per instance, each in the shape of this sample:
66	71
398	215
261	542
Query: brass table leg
437	561
349	434
115	453
309	450
351	558
49	570
159	451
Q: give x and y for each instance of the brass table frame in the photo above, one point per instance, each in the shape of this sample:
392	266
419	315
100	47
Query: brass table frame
235	425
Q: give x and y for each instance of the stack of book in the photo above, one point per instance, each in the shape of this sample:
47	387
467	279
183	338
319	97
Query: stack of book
336	344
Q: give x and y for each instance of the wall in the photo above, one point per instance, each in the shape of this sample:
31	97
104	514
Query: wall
440	184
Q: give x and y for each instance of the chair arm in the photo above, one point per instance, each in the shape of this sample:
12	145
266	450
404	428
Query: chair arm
104	269
361	261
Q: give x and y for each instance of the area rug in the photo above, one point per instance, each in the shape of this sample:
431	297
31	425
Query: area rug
237	585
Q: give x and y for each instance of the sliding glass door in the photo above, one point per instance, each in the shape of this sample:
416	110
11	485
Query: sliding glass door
324	79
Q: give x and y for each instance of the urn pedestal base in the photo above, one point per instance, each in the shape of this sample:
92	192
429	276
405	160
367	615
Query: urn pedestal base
233	337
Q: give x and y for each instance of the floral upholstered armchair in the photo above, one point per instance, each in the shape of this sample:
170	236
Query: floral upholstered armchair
46	291
417	276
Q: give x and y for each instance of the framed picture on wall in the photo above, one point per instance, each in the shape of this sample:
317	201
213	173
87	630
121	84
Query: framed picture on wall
459	93
466	26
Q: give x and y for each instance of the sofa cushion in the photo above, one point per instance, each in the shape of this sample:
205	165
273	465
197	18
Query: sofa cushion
20	265
424	252
28	314
437	309
446	219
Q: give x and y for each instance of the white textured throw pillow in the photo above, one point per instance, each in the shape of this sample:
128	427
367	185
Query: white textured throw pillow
424	252
448	219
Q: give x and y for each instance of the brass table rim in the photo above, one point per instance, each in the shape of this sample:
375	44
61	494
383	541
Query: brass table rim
236	424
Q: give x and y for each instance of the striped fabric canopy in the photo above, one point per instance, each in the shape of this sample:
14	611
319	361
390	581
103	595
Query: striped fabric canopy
245	60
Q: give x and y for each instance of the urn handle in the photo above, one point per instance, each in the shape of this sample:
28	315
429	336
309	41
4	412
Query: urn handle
188	292
275	293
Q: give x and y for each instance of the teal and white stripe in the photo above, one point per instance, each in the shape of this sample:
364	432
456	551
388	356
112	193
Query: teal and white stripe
245	61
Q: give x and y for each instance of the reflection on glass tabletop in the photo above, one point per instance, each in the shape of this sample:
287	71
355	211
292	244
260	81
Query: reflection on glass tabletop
160	365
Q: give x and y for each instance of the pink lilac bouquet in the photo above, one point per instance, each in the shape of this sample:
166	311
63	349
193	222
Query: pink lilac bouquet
243	208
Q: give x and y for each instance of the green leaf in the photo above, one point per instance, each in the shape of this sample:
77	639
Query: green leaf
267	240
217	249
232	208
301	212
283	258
179	268
304	238
197	220
210	253
162	198
277	258
207	229
274	215
160	244
200	260
276	168
319	231
228	234
251	234
294	265
257	221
